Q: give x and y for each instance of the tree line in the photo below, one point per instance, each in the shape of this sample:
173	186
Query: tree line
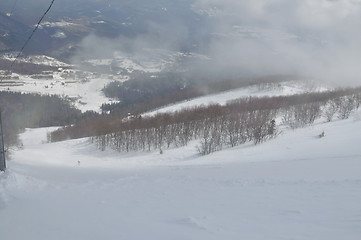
25	68
20	111
243	120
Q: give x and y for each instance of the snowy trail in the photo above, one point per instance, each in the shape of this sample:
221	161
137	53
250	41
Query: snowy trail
297	186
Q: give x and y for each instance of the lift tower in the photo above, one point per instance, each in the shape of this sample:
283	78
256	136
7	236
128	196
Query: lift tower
2	149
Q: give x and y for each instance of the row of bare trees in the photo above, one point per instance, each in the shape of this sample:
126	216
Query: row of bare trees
305	114
240	121
214	132
215	127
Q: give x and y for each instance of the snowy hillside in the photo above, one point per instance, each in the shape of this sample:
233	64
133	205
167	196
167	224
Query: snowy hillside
282	168
276	89
298	186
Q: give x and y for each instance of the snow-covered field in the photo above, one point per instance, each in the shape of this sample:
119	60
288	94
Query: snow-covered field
298	186
87	95
84	88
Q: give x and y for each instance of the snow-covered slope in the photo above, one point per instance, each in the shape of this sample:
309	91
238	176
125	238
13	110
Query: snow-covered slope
275	89
297	186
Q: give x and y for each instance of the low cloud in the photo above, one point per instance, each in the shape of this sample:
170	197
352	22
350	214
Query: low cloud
318	40
315	39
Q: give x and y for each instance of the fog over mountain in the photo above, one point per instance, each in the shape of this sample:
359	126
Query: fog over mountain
312	39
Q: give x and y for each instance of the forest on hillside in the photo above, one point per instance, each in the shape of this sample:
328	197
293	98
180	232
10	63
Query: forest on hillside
20	111
25	68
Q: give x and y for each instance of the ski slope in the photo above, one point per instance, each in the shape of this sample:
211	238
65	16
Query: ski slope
276	89
298	186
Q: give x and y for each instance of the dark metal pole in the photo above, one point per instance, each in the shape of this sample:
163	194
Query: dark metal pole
2	149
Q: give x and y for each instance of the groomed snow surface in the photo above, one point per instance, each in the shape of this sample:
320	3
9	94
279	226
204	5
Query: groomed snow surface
298	186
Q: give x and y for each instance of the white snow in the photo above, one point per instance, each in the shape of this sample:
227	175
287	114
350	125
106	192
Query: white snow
298	186
61	24
59	34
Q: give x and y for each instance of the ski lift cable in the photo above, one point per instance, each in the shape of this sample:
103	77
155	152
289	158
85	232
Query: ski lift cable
29	38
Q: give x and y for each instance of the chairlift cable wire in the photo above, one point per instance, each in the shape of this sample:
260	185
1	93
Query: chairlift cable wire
29	38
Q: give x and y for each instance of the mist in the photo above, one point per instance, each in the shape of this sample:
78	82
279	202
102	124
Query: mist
318	40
